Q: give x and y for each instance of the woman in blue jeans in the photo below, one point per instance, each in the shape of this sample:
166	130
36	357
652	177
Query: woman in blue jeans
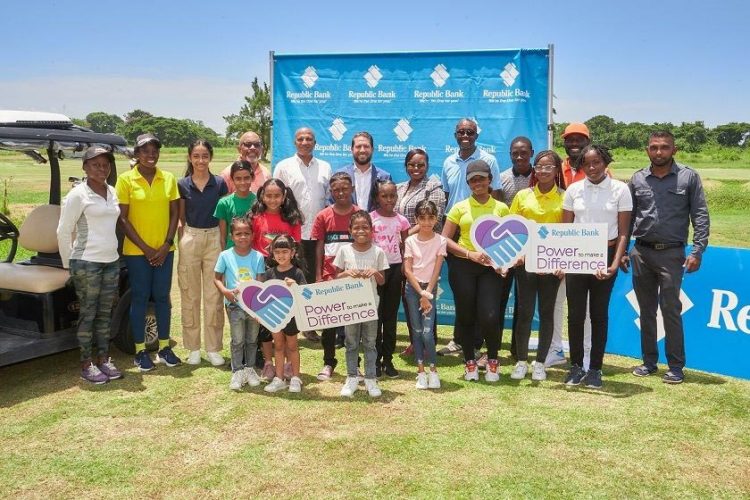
149	209
424	253
90	210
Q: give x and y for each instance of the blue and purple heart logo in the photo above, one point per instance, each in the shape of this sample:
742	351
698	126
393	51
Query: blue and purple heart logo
271	303
503	239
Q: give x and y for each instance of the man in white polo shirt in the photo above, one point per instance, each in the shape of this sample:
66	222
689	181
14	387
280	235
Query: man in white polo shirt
308	178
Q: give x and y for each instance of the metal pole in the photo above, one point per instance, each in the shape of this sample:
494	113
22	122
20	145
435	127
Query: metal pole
550	94
270	64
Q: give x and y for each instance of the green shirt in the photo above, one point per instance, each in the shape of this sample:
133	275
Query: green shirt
230	207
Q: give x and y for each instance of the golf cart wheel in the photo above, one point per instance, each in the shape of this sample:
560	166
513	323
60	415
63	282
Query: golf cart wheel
122	334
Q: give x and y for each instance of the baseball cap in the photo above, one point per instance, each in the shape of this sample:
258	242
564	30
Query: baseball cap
478	168
95	151
576	128
144	139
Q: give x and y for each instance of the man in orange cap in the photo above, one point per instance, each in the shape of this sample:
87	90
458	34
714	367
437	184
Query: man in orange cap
575	137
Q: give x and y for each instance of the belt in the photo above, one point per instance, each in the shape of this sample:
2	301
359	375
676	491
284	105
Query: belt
658	246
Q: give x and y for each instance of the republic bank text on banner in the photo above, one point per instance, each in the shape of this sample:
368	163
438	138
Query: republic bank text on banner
410	100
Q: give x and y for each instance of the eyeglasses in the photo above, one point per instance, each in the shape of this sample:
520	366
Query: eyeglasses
544	168
254	144
416	165
466	131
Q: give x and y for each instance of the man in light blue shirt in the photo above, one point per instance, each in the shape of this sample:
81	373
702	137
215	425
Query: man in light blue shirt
453	176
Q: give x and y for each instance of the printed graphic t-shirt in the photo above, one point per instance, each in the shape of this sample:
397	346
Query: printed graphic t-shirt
386	233
238	269
333	229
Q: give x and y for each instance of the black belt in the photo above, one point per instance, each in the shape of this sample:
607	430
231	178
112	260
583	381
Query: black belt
657	246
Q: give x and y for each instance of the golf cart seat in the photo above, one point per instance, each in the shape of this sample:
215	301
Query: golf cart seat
39	234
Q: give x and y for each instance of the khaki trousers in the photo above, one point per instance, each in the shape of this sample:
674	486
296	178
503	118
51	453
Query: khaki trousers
198	251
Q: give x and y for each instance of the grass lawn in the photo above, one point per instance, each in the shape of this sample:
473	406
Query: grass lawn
181	432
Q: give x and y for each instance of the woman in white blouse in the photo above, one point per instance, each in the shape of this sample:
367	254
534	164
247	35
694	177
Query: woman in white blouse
90	211
597	198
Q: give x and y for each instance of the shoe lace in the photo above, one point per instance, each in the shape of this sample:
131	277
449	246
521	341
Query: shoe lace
109	364
93	370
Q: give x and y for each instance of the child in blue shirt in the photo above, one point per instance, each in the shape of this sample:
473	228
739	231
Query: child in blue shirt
237	265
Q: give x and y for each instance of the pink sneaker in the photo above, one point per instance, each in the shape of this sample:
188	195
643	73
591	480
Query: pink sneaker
268	373
326	373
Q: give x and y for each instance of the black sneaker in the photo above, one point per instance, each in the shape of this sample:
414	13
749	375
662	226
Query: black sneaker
593	379
168	357
575	375
673	376
390	370
644	370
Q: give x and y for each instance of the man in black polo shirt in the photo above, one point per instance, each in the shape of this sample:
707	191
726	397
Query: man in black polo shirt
667	197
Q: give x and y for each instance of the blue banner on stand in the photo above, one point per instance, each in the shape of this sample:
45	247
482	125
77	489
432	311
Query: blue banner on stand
715	315
410	100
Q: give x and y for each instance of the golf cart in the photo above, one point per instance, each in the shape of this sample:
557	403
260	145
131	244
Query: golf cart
38	304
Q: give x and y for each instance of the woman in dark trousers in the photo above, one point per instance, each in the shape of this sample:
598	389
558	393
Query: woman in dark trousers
541	203
477	286
597	198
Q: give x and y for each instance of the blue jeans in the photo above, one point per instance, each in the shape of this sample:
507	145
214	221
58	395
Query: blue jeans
366	333
244	332
149	282
421	324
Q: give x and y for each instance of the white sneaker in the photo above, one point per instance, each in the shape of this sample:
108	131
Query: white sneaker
372	387
421	381
492	375
519	371
214	358
350	387
238	380
471	372
194	358
555	358
538	372
295	384
251	377
276	385
433	381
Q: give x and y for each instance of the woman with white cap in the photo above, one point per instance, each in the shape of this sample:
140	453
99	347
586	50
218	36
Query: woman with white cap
90	211
149	209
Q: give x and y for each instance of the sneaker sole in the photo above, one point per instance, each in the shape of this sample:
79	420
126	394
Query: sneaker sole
165	362
643	374
673	382
593	386
102	382
557	362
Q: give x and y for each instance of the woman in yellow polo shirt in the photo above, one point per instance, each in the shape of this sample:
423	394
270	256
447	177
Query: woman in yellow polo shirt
477	287
149	209
541	203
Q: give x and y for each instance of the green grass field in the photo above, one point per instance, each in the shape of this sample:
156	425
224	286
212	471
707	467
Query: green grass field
180	432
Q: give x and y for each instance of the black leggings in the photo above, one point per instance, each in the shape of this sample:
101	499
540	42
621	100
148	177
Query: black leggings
579	287
477	294
530	287
390	295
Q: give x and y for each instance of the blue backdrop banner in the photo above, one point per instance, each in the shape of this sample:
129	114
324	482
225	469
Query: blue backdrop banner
715	315
408	100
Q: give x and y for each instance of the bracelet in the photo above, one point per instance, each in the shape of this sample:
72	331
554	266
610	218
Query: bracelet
427	295
467	253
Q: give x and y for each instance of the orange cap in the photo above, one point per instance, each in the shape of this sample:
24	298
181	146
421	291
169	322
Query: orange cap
576	128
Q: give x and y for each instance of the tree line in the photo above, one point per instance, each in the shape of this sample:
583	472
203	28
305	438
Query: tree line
255	114
689	136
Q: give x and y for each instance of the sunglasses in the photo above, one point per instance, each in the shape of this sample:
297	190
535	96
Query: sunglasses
466	131
255	144
416	165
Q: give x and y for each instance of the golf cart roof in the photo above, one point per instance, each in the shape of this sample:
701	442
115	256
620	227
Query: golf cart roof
29	130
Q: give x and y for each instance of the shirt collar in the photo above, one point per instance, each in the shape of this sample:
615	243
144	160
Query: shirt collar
475	203
551	194
313	160
587	184
672	170
366	172
516	174
137	173
211	181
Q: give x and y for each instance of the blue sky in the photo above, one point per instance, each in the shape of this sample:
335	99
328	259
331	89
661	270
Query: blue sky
649	61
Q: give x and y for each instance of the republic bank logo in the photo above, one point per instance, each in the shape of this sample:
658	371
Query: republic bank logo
440	75
403	129
337	129
687	304
509	74
309	77
373	76
543	232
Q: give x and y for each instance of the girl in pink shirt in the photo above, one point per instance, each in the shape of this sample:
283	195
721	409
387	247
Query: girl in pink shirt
389	229
423	258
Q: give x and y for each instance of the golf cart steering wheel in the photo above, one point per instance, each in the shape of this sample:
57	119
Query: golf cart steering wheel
8	231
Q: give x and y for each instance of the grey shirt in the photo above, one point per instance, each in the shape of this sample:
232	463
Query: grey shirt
663	207
513	182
